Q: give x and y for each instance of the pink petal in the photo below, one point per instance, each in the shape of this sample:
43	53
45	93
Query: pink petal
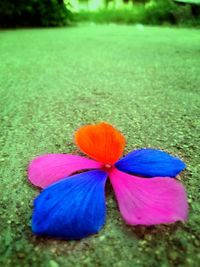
149	201
49	168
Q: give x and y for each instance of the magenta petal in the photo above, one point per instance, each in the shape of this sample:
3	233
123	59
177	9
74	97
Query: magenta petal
149	201
49	168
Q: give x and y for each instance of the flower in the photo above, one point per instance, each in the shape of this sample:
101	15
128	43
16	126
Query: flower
73	207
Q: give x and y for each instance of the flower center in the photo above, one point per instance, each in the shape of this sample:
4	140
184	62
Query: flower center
107	167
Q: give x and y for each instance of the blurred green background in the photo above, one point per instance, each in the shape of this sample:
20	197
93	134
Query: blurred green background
63	12
142	77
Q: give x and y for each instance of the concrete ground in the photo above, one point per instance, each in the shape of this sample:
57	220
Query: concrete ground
143	80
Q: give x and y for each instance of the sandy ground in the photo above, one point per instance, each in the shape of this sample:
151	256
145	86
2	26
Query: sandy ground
143	80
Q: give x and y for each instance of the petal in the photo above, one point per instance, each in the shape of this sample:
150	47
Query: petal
72	208
150	162
101	142
149	201
47	169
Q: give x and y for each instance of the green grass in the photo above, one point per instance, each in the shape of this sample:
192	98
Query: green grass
146	82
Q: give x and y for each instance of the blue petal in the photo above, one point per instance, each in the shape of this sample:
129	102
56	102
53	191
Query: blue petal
150	162
72	208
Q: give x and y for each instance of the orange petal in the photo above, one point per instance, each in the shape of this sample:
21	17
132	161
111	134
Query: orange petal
101	142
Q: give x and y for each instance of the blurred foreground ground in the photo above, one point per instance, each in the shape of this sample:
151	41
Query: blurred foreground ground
143	80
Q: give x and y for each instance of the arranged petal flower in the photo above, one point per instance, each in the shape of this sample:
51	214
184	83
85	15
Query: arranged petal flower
72	206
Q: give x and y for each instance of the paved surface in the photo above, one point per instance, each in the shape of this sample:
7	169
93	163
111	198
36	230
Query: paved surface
145	81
